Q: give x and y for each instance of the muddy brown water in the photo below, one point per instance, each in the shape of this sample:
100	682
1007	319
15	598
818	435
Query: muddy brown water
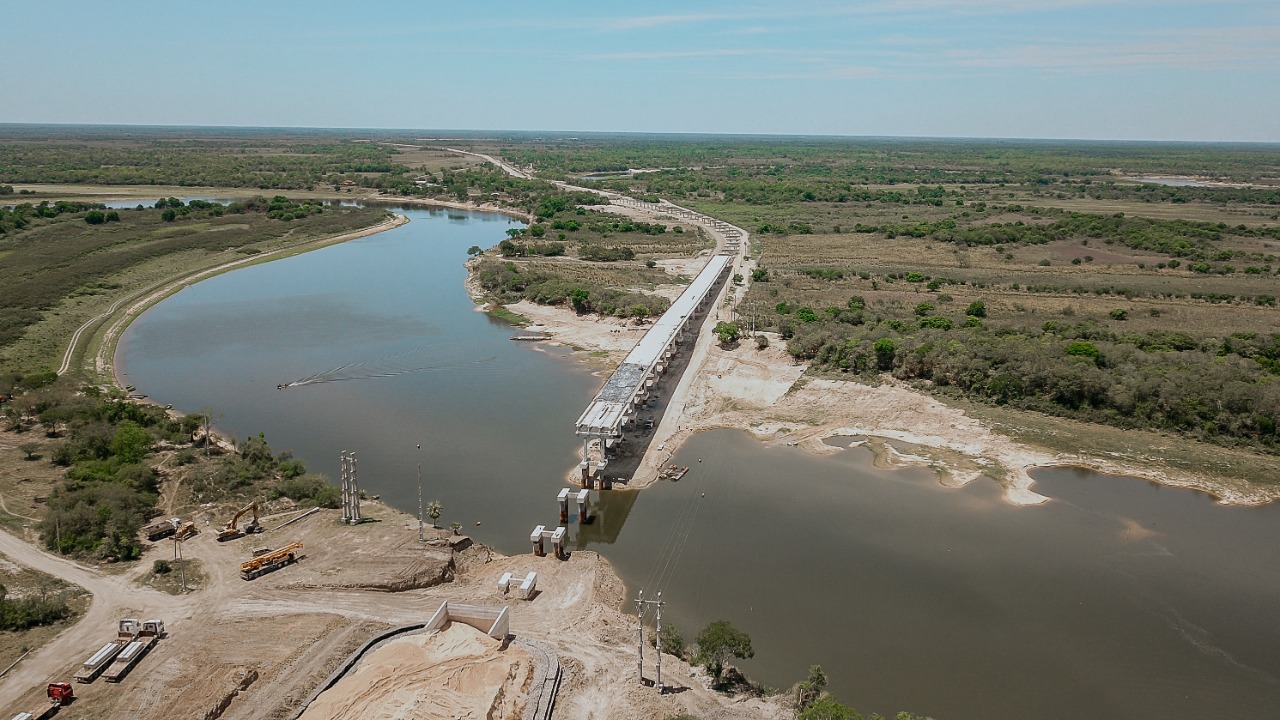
1117	599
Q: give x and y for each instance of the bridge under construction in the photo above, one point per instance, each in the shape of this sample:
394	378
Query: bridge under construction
613	411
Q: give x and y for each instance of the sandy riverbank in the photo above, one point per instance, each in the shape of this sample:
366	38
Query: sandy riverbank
766	393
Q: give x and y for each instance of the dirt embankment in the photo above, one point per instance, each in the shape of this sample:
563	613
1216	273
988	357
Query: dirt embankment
241	649
458	672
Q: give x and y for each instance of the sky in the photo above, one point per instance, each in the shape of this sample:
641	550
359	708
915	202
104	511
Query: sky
1193	70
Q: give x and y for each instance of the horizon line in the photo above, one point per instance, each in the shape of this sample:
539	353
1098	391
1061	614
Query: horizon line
682	133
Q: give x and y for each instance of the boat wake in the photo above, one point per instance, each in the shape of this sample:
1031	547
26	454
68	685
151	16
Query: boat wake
392	366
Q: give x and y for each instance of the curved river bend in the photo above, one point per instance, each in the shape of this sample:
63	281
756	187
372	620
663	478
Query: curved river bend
1118	599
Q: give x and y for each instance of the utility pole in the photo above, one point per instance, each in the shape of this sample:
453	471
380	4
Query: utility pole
640	608
421	537
658	641
640	624
177	559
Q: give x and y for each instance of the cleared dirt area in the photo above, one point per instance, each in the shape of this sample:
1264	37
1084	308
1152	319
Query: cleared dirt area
458	672
259	648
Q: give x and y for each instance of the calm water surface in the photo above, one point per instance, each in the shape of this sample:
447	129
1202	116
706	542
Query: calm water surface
1118	599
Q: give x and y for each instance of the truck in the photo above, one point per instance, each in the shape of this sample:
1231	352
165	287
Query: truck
149	633
59	693
185	529
161	529
265	561
126	632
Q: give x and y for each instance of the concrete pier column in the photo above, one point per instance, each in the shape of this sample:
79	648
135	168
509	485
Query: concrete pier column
536	538
557	543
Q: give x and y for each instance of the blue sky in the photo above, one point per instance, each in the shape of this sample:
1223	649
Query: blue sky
1091	69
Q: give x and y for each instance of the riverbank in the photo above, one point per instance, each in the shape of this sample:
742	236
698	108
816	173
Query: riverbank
767	394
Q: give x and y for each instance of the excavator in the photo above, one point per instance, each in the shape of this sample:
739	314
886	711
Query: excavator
232	531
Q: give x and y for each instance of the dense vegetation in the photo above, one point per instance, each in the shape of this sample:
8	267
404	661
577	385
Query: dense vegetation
108	445
779	161
31	610
293	165
509	282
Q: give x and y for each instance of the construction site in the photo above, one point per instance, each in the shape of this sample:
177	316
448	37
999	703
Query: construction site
379	617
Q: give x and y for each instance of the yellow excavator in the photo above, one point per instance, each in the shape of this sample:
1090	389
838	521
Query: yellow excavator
233	531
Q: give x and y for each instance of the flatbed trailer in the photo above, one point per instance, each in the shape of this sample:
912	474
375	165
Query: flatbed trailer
99	661
43	713
126	632
134	651
160	530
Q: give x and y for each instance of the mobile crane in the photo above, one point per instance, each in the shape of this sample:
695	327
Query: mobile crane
265	561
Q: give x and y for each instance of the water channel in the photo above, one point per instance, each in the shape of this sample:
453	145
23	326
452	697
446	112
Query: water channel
1117	599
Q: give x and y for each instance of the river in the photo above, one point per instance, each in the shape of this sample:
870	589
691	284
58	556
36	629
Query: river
1117	599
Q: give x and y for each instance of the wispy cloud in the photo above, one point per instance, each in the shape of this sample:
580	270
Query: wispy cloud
892	7
837	72
673	54
651	21
1183	49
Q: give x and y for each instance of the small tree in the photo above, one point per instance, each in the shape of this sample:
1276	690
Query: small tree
578	298
727	332
828	708
670	641
131	442
29	449
474	250
434	508
977	308
812	687
718	642
885	351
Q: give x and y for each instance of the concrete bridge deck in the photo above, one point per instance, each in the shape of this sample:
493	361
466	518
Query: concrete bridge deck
614	407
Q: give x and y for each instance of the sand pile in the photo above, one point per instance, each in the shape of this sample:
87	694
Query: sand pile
458	672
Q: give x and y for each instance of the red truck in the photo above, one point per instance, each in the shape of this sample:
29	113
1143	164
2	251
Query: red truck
59	693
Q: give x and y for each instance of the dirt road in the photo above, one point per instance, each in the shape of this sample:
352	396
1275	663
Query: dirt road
113	596
291	628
